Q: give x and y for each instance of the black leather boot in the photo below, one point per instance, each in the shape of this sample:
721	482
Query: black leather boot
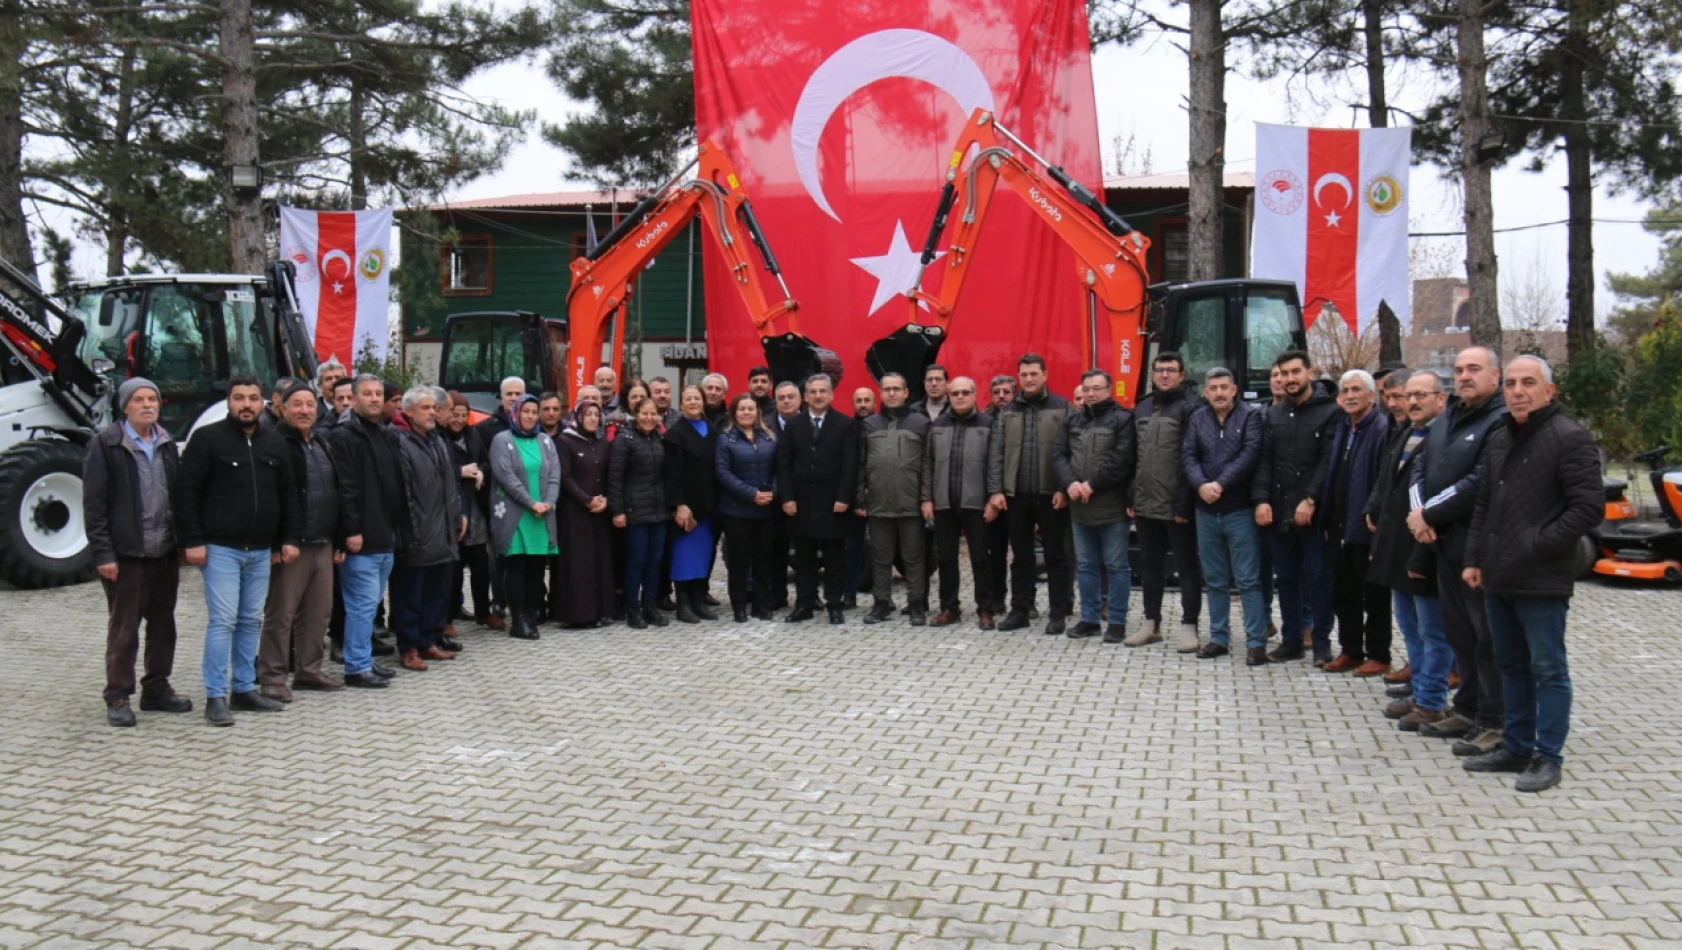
685	607
652	614
698	601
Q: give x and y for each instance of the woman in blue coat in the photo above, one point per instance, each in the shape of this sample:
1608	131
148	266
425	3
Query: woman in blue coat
746	466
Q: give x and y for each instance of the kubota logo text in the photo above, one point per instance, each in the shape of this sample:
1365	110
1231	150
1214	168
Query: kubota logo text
657	230
1051	209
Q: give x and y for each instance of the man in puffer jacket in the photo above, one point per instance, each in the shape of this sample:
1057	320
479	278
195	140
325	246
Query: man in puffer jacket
1539	492
1286	492
431	527
1022	487
890	495
955	497
1093	459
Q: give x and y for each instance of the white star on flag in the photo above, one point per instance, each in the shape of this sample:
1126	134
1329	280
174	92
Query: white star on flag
338	288
895	270
1332	219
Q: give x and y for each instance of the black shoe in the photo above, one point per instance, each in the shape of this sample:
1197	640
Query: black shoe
523	629
799	615
166	702
667	604
1256	656
881	613
1015	620
1322	657
1399	691
633	617
383	672
1500	759
216	711
1033	613
1084	629
698	603
685	613
739	613
710	601
762	614
355	681
1115	633
337	654
837	616
1287	651
652	614
118	713
919	616
851	601
1055	626
253	701
448	644
1209	651
1541	776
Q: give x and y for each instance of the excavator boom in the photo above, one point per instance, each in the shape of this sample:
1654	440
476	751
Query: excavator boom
604	278
1109	255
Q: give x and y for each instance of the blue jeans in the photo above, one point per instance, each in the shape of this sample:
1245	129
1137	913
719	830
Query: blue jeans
644	544
362	579
1421	620
1304	585
418	598
1106	545
1528	634
236	585
1229	552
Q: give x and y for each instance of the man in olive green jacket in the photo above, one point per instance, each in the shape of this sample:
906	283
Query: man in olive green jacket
890	495
1022	486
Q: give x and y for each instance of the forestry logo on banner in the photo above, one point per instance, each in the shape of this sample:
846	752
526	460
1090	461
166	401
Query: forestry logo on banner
1281	192
1384	195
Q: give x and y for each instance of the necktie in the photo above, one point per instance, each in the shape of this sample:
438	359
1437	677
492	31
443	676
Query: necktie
817	426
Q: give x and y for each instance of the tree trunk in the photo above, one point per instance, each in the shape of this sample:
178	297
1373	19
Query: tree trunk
356	136
117	188
1207	161
1481	271
1378	102
1389	335
14	227
1579	189
239	128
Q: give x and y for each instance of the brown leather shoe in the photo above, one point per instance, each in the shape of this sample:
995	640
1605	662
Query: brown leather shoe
1371	668
496	623
946	618
411	661
279	694
433	653
1403	675
1343	664
984	620
319	682
1419	717
1398	708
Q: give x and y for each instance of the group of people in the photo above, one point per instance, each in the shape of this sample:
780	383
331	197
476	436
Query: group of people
1380	499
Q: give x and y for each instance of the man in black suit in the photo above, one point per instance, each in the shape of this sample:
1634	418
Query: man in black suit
817	472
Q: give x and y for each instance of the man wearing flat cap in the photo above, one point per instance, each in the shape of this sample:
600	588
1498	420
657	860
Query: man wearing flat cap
128	475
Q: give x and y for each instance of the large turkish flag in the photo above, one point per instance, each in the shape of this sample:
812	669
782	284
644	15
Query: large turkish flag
841	118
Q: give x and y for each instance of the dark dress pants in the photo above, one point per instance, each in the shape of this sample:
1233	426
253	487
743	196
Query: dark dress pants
144	590
749	545
1362	607
1156	538
1027	512
1466	624
806	551
968	522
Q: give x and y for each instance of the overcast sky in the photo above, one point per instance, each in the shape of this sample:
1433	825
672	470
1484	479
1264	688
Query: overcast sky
1140	92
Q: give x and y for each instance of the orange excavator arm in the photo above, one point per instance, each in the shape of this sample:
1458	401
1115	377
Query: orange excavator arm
1109	255
604	278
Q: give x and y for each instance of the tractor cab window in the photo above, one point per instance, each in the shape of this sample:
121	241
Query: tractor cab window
480	353
196	337
112	319
1202	343
1268	320
250	346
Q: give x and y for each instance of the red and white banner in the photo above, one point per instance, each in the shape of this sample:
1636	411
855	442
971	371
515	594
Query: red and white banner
344	278
1332	215
841	118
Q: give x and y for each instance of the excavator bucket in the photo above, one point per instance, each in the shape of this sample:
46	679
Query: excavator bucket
907	351
793	357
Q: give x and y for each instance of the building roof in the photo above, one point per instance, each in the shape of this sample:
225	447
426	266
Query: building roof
540	199
1175	181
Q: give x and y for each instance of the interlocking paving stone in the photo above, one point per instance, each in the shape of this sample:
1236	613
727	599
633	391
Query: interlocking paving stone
766	785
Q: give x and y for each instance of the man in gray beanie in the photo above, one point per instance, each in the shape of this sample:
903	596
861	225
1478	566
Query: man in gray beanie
128	474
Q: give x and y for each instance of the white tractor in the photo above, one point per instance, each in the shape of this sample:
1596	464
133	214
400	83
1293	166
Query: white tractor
188	333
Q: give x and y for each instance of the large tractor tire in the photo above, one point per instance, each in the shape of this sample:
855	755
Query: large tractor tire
1585	556
43	540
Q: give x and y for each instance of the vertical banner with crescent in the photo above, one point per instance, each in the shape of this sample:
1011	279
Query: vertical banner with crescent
842	120
1332	215
343	261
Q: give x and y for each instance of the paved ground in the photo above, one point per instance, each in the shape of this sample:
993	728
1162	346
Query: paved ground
811	786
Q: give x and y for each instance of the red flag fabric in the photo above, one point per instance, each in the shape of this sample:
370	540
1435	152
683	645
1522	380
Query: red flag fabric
842	118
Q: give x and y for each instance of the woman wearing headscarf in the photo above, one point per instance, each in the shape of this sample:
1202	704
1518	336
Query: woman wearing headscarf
581	590
636	494
692	490
526	476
